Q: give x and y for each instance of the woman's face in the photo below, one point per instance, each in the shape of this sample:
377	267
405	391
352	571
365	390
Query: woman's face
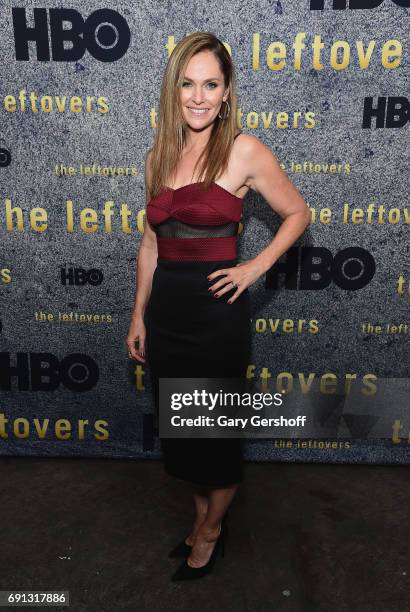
202	90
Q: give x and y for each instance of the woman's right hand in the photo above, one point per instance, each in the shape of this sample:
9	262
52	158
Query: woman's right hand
136	333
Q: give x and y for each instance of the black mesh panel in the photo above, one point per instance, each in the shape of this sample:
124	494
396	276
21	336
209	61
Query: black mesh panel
173	228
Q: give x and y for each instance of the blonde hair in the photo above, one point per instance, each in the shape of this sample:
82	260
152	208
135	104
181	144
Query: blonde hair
171	131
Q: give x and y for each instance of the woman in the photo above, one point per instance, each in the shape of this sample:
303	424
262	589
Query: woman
196	176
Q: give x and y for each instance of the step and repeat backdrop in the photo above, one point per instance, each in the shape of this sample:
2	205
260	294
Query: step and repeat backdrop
324	84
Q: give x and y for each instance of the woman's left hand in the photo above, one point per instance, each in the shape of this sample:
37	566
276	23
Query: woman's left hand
243	275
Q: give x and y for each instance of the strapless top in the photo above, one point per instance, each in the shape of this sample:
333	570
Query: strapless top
193	224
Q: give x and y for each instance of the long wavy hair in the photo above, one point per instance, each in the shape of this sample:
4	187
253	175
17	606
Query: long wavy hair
171	131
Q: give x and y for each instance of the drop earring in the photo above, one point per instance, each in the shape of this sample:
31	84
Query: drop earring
227	113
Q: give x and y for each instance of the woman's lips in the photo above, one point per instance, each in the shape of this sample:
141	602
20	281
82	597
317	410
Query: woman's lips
198	111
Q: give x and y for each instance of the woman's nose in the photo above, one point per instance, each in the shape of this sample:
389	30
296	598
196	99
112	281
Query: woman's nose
197	95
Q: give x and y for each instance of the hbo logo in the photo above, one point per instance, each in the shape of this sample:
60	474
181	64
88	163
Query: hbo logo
79	276
341	5
351	269
105	34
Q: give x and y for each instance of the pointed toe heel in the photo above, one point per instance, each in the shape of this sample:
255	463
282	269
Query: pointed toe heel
183	549
186	572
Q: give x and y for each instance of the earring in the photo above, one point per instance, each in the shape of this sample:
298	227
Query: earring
226	114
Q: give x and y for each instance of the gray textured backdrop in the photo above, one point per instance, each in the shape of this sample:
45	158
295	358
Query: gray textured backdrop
90	377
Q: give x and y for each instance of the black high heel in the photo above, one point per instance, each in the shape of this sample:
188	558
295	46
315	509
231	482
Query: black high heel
183	549
186	572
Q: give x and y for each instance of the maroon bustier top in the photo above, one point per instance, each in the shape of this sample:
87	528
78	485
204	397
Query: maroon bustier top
195	225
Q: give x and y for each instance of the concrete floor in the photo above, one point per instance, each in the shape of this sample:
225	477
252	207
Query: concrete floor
303	537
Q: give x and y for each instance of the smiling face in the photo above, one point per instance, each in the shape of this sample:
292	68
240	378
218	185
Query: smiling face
202	90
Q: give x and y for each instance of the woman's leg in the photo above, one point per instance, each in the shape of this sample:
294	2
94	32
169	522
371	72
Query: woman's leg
208	532
201	509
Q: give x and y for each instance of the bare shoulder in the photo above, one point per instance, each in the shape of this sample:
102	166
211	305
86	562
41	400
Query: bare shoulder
248	145
253	156
265	176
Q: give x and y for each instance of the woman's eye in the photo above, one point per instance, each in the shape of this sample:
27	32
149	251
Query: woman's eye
213	85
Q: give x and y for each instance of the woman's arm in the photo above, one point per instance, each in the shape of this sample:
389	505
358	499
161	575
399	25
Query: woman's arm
265	176
145	264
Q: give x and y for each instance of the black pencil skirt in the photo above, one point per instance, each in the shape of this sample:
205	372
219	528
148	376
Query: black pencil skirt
189	334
